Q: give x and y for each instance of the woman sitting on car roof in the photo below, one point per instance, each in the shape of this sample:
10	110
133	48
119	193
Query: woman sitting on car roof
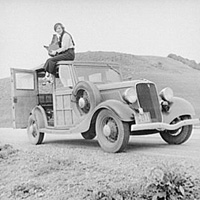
64	51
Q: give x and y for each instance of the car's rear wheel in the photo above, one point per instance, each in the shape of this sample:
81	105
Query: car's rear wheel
112	134
180	135
34	135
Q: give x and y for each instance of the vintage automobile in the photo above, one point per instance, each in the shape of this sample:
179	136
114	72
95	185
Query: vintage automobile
92	99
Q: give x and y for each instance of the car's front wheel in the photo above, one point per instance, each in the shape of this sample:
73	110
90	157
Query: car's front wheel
180	135
112	133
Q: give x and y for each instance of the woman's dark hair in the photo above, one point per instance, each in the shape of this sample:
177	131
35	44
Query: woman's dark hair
59	24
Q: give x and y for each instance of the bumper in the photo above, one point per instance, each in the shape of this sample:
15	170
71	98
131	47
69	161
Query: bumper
160	126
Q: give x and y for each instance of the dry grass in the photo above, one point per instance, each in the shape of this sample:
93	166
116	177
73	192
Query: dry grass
52	171
164	182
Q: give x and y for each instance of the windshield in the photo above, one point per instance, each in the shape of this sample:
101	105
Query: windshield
98	74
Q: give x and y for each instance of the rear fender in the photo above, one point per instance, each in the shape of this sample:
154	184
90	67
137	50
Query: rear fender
178	108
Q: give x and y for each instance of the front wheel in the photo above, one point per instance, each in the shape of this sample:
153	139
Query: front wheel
112	134
180	135
34	135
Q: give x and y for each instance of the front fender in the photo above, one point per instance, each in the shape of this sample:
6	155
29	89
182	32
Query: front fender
121	109
178	107
124	112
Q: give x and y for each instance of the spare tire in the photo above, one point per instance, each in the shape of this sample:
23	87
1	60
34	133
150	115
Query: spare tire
86	97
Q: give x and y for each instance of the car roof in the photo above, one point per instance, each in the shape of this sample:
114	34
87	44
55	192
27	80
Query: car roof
80	63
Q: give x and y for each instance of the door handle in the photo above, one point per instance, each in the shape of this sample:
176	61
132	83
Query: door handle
15	99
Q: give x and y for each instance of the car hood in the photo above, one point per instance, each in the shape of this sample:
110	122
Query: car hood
120	85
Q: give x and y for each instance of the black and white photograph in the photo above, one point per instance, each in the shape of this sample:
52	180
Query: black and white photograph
100	100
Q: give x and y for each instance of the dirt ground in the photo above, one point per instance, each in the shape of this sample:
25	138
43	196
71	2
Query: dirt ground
69	167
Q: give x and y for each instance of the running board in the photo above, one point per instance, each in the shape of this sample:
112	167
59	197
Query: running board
54	130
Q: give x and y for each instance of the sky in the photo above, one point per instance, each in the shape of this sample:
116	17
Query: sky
138	27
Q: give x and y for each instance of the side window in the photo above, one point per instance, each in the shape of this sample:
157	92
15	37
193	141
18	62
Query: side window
93	74
96	78
98	74
24	81
65	76
81	78
112	76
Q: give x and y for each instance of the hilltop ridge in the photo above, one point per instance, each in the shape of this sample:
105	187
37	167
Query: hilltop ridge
190	63
139	63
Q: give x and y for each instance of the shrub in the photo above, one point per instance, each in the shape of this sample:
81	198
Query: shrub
171	182
164	182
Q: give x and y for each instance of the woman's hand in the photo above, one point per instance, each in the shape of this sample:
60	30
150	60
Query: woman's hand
53	53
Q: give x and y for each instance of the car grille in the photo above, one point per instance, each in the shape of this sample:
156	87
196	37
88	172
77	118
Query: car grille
148	100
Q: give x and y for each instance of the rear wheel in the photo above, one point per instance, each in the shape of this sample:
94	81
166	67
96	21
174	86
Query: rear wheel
180	135
112	134
34	135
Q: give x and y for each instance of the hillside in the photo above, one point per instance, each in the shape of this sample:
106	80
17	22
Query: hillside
182	75
5	103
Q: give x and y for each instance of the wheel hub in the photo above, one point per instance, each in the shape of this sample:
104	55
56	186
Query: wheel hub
33	129
81	102
106	130
110	131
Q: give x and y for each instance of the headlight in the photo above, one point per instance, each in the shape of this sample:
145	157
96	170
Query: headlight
167	94
130	95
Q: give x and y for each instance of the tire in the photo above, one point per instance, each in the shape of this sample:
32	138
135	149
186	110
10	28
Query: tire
35	137
112	134
180	135
86	97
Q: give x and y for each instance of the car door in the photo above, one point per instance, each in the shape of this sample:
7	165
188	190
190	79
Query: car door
24	95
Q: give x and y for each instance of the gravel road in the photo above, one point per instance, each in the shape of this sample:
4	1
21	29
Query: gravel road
69	167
